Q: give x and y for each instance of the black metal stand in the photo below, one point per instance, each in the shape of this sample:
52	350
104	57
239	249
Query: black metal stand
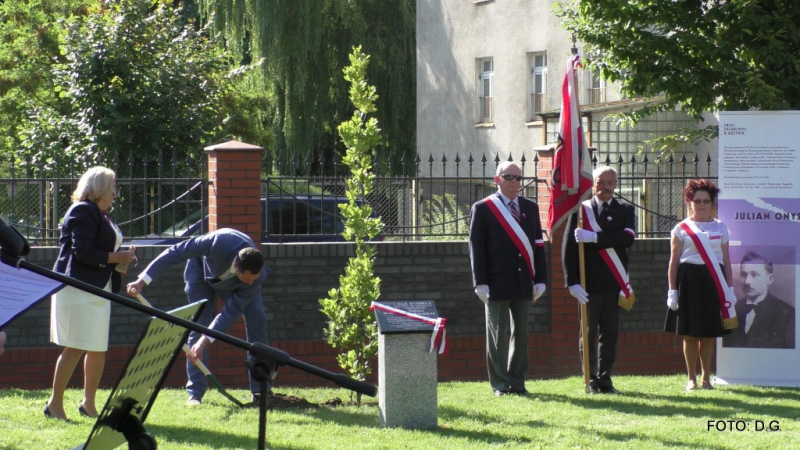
122	418
131	427
12	249
265	372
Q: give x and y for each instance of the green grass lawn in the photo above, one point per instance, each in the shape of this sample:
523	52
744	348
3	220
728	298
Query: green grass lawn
652	413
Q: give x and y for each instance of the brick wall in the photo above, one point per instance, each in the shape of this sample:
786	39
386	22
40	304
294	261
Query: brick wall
303	273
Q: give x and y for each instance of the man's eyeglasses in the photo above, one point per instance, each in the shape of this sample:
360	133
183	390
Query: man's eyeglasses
509	177
701	202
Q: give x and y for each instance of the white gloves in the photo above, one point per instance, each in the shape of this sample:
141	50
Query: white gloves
577	291
538	290
482	291
672	299
587	236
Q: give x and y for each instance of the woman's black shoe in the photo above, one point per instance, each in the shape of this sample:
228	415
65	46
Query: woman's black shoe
46	412
83	412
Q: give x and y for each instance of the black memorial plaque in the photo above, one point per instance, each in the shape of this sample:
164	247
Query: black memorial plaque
391	323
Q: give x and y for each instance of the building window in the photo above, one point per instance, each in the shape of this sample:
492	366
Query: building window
486	91
538	97
596	93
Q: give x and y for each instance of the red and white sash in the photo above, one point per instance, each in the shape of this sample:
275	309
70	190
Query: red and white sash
439	336
703	244
609	255
513	229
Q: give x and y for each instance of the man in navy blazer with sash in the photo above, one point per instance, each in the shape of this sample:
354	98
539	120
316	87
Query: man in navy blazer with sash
617	224
224	264
508	272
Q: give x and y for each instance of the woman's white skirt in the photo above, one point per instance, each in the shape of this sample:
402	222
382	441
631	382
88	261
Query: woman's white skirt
80	320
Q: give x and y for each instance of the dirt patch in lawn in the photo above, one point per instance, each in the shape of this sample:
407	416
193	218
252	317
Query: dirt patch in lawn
284	401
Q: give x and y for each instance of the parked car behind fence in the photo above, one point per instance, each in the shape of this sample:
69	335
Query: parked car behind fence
308	218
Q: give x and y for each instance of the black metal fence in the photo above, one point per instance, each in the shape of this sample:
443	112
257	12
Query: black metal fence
166	201
152	194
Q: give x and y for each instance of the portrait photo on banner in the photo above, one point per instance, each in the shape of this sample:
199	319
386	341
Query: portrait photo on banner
765	282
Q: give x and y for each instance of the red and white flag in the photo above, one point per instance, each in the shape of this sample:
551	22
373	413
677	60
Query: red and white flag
572	168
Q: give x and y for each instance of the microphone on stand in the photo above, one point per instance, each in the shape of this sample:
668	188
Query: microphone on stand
12	242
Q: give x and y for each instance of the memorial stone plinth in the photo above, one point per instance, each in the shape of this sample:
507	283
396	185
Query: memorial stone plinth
407	371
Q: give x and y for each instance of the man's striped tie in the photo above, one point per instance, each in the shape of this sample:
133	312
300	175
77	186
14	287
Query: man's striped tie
514	211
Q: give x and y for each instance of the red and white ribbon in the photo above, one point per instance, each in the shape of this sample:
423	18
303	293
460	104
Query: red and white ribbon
609	255
439	336
514	230
701	241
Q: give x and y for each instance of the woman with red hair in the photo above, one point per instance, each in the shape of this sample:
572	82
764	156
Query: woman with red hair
700	280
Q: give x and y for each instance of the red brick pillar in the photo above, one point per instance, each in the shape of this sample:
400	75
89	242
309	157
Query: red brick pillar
564	356
564	309
564	315
234	191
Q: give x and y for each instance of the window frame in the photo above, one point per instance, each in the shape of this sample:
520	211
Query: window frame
537	100
485	107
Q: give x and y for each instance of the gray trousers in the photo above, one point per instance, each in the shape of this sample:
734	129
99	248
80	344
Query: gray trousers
507	357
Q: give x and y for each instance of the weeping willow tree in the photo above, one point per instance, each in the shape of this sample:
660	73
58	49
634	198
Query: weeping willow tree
304	46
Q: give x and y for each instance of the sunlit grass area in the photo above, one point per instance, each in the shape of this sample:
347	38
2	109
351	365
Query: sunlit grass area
651	413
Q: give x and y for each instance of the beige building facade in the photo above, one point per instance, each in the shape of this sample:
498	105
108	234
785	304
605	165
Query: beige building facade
489	77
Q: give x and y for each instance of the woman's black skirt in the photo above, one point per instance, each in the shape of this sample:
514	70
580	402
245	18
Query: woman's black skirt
698	313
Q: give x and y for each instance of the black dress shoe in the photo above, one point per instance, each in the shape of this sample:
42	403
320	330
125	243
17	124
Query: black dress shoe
522	391
83	412
499	393
46	412
609	390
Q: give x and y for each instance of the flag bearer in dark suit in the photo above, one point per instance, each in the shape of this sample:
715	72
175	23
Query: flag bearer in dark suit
616	223
508	272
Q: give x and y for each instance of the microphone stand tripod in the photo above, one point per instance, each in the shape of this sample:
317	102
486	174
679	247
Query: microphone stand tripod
263	373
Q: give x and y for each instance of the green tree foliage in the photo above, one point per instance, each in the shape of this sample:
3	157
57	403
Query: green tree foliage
704	55
351	325
31	34
304	45
135	81
249	109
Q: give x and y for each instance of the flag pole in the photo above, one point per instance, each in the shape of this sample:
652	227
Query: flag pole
571	182
584	309
582	268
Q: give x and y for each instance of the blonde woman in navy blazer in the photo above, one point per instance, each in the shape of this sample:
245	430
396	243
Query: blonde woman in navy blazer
79	321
